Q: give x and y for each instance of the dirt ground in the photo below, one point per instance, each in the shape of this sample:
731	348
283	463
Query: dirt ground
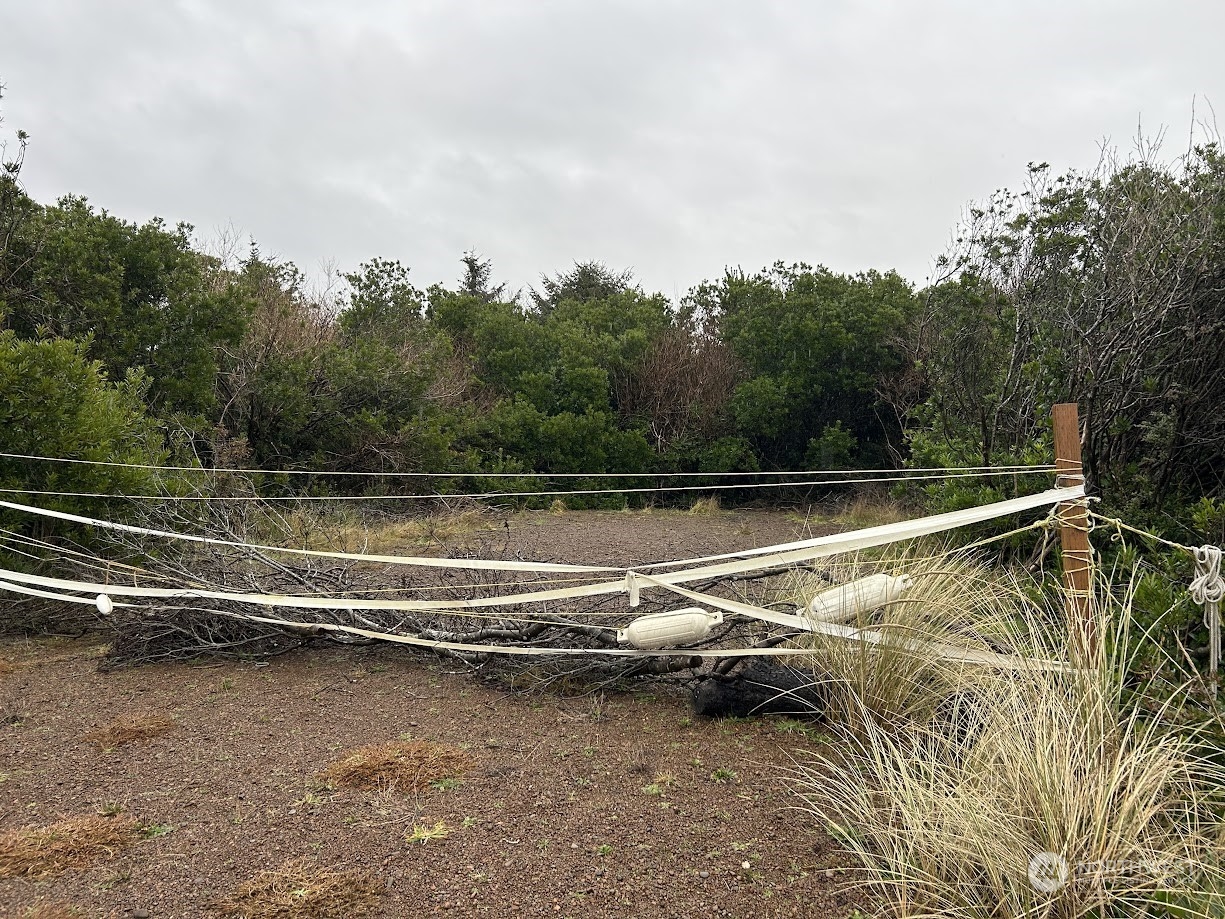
615	805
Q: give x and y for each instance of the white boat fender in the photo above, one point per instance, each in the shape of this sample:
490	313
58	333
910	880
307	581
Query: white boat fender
678	627
847	601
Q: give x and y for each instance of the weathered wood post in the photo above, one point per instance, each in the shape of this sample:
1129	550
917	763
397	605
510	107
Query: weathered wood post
1074	524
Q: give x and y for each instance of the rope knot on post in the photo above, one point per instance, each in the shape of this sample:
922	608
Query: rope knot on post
1208	589
1207	586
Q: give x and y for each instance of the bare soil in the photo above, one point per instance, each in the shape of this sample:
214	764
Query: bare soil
613	805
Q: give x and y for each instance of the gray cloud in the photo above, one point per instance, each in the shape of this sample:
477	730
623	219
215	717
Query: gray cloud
674	137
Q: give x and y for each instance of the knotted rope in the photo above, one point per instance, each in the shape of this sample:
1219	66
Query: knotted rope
1207	589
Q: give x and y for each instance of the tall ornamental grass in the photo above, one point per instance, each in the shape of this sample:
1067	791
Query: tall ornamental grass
1039	792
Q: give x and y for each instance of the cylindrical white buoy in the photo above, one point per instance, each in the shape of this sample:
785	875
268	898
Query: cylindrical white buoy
104	604
849	600
659	630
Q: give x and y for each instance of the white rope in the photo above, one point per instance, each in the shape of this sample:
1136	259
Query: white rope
310	602
866	636
793	553
923	647
776	556
1208	586
1207	589
523	650
504	475
422	561
48	595
632	583
482	496
871	537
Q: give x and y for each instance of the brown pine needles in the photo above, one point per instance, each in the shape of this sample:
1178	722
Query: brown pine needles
299	890
402	765
35	851
131	728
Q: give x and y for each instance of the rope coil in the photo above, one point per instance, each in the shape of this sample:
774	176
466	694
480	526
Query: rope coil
1207	589
1207	586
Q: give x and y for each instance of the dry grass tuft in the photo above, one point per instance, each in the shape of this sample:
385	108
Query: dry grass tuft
955	602
402	765
944	814
50	911
349	532
129	728
705	507
35	851
871	509
299	890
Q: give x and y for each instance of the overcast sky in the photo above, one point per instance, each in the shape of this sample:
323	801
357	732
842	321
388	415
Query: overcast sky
673	138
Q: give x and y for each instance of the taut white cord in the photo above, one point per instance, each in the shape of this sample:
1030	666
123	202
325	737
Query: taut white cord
212	470
487	495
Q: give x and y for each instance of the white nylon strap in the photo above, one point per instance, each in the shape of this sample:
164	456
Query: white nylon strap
47	595
529	650
869	537
423	561
799	623
435	644
865	636
811	549
631	588
295	602
817	548
862	635
841	542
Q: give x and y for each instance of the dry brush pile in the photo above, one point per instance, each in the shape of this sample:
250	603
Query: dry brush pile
149	630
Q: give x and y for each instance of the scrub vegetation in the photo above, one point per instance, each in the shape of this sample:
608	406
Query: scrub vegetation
131	342
134	346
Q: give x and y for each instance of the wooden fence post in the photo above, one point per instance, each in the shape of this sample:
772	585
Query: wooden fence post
1074	524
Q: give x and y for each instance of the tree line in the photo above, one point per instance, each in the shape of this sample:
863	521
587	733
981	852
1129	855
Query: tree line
127	342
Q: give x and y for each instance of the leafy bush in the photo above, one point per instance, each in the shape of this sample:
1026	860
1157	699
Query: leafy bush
54	401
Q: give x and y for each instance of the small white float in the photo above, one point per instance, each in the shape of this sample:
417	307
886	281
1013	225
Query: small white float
659	630
845	602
